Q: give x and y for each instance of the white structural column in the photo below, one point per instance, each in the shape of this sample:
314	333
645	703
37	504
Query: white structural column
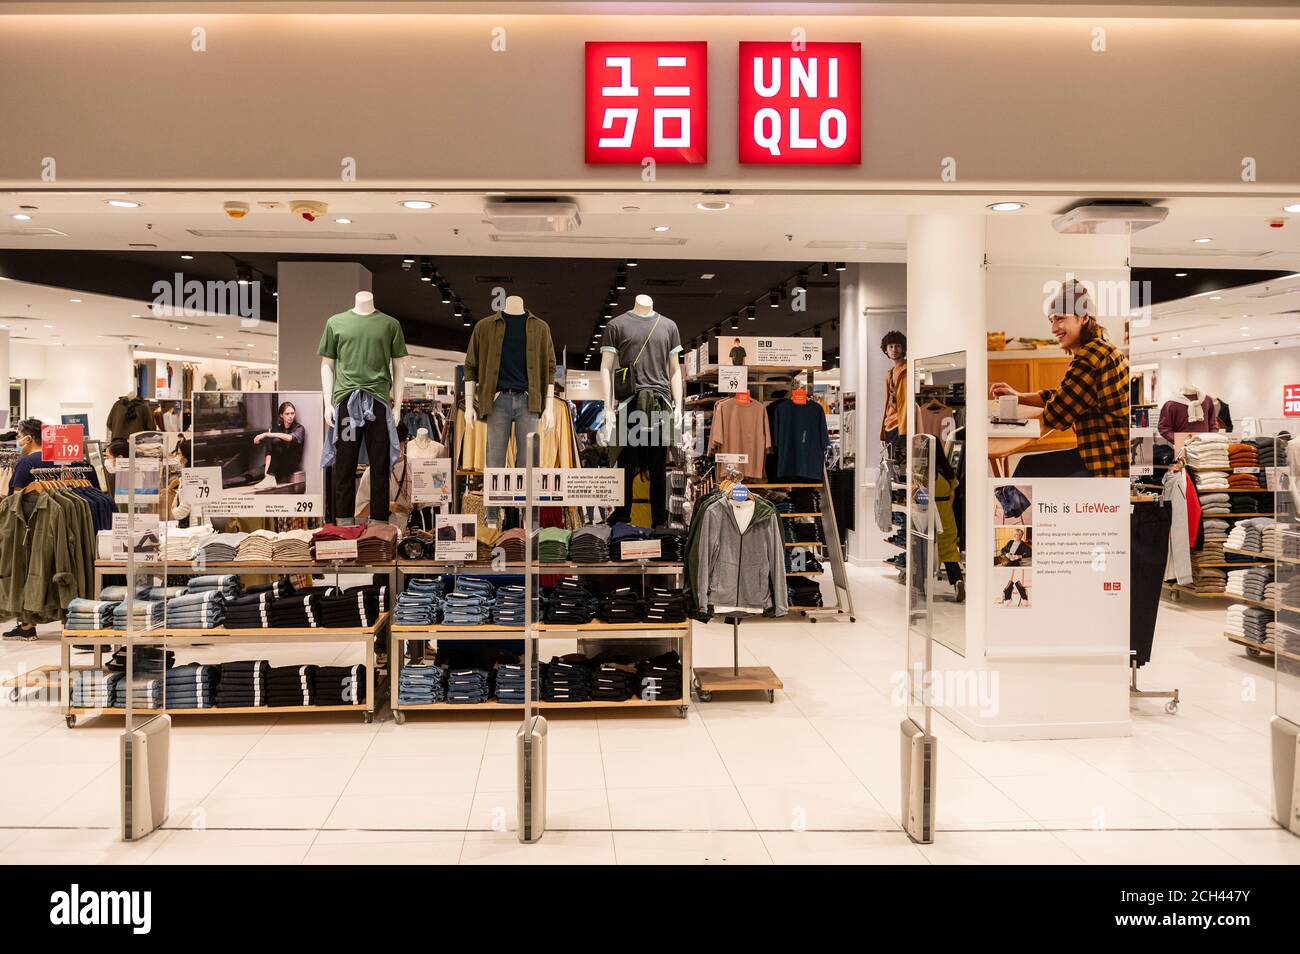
968	275
4	371
871	303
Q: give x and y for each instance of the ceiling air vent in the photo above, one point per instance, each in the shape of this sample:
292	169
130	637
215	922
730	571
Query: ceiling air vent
32	233
293	235
540	215
547	238
1110	218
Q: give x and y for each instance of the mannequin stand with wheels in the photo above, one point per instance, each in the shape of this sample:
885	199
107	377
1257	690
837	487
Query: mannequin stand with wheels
362	373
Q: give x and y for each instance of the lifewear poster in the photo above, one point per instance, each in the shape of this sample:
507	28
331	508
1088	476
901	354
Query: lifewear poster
1059	582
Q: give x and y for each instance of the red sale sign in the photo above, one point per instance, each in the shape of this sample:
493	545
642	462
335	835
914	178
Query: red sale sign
63	443
647	100
1291	400
800	106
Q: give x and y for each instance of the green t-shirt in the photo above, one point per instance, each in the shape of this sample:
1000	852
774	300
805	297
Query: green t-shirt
363	348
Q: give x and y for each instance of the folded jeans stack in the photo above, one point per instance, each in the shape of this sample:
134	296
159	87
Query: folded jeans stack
93	688
661	677
466	607
205	609
567	679
801	591
625	533
422	684
420	604
510	683
357	606
614	680
301	610
90	614
163	593
146	693
116	594
144	613
227	584
672	543
570	602
191	686
665	604
468	686
242	684
291	686
341	685
590	544
510	605
250	611
623	605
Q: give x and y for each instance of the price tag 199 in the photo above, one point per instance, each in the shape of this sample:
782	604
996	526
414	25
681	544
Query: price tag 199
200	485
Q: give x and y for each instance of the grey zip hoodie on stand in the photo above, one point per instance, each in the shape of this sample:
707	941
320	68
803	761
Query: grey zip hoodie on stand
741	569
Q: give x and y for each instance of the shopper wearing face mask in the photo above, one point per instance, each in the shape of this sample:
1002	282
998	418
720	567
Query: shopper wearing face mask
29	445
1092	399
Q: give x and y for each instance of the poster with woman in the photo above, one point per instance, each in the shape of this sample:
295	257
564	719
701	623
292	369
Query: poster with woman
264	444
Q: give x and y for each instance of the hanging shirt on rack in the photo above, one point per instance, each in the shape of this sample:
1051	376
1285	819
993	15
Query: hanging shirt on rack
800	437
742	429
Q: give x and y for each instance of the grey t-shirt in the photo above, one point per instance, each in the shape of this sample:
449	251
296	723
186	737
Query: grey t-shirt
624	336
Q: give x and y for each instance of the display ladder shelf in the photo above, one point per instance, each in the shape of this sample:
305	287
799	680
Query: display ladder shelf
1254	649
105	568
492	704
220	636
1239	565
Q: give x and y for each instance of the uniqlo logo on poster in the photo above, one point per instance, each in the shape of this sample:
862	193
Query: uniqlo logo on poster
1112	586
801	106
1291	400
647	100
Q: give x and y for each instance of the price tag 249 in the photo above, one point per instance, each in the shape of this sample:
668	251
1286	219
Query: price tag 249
200	485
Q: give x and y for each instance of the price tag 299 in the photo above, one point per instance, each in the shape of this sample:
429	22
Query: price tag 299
200	485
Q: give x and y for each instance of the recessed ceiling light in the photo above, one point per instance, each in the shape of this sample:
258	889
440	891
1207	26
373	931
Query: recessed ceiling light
1214	352
1216	298
1245	328
660	228
22	217
250	344
182	327
1007	206
75	301
707	275
49	326
1256	348
416	204
5	278
220	337
1180	274
1196	341
123	203
1294	207
713	205
343	221
1178	337
187	257
1203	241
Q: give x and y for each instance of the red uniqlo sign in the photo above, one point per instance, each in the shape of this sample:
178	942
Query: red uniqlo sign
1291	400
63	443
647	100
800	106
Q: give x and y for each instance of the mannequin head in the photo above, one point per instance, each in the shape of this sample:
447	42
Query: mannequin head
422	434
365	303
514	305
644	305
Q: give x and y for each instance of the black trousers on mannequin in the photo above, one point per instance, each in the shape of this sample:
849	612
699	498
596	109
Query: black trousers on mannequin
654	459
348	447
1148	550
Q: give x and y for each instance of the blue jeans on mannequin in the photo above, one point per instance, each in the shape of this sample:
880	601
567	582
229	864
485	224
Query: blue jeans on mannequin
509	409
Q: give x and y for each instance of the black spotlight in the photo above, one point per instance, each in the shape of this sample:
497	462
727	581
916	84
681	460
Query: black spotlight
735	322
620	280
631	263
243	273
840	266
826	270
407	263
774	299
446	294
751	312
426	270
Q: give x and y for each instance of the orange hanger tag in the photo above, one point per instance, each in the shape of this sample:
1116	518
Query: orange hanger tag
742	397
799	396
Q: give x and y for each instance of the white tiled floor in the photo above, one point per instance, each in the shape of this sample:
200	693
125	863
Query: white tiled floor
810	779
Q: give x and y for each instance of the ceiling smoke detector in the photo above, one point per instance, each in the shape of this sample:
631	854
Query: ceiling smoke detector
236	210
308	210
533	215
1109	218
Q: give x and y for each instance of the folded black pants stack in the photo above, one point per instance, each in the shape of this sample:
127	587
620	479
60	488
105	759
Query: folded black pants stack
243	684
291	686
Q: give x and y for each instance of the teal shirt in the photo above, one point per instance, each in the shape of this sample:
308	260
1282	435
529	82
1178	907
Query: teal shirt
363	348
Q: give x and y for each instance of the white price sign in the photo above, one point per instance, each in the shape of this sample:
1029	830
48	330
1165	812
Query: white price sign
266	505
732	458
593	487
329	550
641	549
430	479
732	380
456	537
200	486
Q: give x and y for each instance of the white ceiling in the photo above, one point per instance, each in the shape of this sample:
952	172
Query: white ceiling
1255	317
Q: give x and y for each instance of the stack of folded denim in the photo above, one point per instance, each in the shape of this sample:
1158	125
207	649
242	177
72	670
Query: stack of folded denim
192	686
227	584
661	677
340	685
277	589
146	693
422	684
205	609
291	686
567	679
469	686
90	614
623	605
149	660
166	592
93	688
250	611
801	591
553	545
622	533
570	601
220	547
421	604
1255	623
510	683
242	684
614	679
664	604
357	606
509	606
806	500
805	531
672	543
377	543
590	544
116	594
470	603
301	610
801	560
145	613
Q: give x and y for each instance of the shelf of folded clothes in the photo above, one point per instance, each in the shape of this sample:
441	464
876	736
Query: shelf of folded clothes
420	566
1221	594
1269	648
541	704
226	634
215	710
545	630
